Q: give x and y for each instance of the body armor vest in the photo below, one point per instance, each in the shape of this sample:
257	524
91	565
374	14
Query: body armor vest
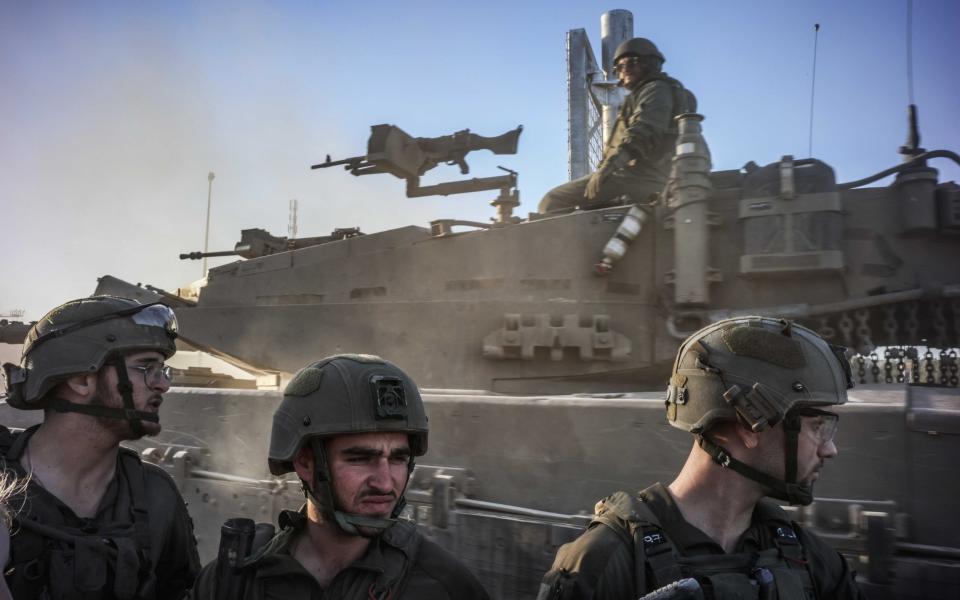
50	559
779	571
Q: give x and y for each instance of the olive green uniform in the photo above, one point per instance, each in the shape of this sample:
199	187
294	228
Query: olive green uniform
399	564
640	147
139	545
600	564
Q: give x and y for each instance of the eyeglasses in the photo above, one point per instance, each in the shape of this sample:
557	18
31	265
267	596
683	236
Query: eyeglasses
154	373
820	424
629	61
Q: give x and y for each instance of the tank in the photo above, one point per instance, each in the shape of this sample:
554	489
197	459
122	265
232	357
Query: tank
530	305
543	344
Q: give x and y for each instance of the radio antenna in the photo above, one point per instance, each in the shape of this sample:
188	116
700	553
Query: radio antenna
813	86
912	147
910	51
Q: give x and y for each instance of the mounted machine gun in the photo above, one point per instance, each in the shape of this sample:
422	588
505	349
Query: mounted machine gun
392	150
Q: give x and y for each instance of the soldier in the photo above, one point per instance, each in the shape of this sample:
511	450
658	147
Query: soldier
8	487
754	391
636	160
350	426
93	521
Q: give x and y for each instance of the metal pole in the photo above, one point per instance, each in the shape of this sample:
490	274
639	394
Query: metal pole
616	27
813	87
206	232
578	95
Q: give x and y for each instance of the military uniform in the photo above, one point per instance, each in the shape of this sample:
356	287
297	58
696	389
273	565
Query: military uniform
140	544
398	564
650	530
640	147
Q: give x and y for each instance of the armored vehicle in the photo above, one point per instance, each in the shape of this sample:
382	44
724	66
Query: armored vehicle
592	305
543	344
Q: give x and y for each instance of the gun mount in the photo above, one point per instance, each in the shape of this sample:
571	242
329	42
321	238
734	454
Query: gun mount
255	243
392	150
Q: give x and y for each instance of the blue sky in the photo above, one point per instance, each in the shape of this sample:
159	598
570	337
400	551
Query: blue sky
114	112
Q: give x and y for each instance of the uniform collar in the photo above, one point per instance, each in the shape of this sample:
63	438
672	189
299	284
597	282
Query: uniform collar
276	559
655	77
690	540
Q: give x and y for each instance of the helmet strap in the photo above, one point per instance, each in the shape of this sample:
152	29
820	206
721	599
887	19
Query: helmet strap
125	387
797	493
791	441
128	412
780	489
322	495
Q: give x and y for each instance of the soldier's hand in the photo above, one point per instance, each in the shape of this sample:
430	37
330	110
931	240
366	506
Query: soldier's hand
596	180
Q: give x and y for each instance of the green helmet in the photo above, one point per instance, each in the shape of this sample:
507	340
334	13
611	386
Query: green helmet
637	47
344	394
759	371
82	336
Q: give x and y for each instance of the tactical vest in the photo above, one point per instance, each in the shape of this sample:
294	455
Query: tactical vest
683	101
51	560
779	571
237	584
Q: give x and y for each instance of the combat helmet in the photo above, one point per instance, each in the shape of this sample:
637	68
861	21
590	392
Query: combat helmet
81	336
759	371
344	394
637	47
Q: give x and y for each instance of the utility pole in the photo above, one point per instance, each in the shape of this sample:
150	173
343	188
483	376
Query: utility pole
206	233
292	223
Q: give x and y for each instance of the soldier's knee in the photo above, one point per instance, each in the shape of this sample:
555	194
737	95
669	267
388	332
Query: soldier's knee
549	203
562	198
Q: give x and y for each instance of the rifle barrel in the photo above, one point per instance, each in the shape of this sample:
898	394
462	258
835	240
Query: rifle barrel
333	163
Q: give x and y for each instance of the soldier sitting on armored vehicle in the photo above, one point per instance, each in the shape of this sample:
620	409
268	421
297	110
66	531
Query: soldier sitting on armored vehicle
754	392
636	160
350	426
93	520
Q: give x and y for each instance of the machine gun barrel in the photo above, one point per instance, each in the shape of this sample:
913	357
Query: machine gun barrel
353	162
199	255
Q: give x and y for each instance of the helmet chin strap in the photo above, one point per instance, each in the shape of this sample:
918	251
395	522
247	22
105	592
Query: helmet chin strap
322	496
789	490
128	412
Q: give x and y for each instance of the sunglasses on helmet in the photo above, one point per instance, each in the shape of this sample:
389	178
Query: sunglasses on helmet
148	315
